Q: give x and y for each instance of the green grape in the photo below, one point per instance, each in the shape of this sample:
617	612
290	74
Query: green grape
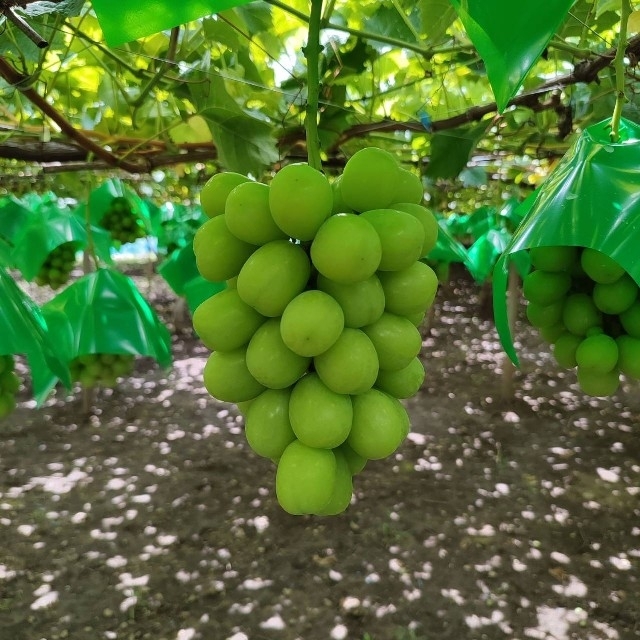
362	302
552	333
350	366
541	316
558	258
339	205
370	179
564	349
346	249
248	216
401	237
121	221
214	193
270	361
580	314
597	353
267	426
408	189
57	267
598	384
300	199
380	424
428	222
227	378
225	322
409	291
342	488
311	323
319	416
273	276
615	297
402	383
305	479
630	319
600	267
103	369
396	339
629	356
545	287
355	461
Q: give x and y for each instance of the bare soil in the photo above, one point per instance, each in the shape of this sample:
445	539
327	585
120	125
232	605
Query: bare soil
151	518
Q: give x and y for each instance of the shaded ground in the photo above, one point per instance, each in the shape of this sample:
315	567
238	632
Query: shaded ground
152	519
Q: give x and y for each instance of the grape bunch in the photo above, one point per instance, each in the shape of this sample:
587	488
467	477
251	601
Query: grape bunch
121	221
9	385
100	369
58	265
316	336
586	305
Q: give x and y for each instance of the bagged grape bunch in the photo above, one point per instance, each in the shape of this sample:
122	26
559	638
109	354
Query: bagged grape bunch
100	369
316	336
121	221
581	234
58	265
9	385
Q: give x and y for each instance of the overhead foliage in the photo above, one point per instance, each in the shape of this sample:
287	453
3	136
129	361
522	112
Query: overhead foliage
230	89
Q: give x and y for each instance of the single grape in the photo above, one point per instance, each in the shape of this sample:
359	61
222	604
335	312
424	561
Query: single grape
409	188
598	384
428	222
396	339
597	353
630	319
600	267
267	425
564	349
213	196
402	383
615	297
580	314
409	291
342	488
554	258
545	287
227	378
540	316
629	356
362	302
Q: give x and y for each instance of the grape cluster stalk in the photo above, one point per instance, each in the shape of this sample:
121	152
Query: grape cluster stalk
586	305
316	337
9	385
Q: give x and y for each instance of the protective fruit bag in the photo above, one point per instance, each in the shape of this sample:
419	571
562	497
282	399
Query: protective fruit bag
581	233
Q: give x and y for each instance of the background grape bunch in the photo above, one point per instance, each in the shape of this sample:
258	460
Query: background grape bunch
58	265
9	385
316	336
586	305
100	369
121	221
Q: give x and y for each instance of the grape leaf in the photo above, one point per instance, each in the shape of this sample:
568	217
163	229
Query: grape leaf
450	150
436	17
66	7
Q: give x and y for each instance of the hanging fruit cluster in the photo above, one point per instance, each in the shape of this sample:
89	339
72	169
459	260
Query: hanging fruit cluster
58	265
9	385
316	335
100	369
587	306
121	221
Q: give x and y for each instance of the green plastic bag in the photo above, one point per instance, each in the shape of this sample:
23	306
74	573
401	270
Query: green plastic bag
125	21
198	290
23	330
510	35
591	199
179	268
103	312
14	215
485	252
174	225
447	248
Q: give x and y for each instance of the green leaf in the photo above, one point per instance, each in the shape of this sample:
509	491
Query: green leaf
450	150
510	36
221	33
195	129
386	21
436	16
65	7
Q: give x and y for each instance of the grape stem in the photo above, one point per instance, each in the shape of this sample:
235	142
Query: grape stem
619	65
312	54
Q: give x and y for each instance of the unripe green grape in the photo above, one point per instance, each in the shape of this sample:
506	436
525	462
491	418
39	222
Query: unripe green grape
225	322
396	339
615	297
370	179
270	361
600	267
428	222
554	258
362	302
311	323
545	287
342	488
9	382
227	378
409	291
305	479
541	316
350	366
219	254
380	424
248	216
552	333
598	384
267	425
339	205
408	189
213	196
300	199
564	349
401	237
630	320
580	314
273	276
402	383
355	461
319	416
346	249
597	353
629	356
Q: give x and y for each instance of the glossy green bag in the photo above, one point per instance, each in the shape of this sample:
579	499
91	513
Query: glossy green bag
23	330
590	199
197	290
179	268
103	312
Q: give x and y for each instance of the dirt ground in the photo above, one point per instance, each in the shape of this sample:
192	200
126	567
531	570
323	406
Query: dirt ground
152	519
